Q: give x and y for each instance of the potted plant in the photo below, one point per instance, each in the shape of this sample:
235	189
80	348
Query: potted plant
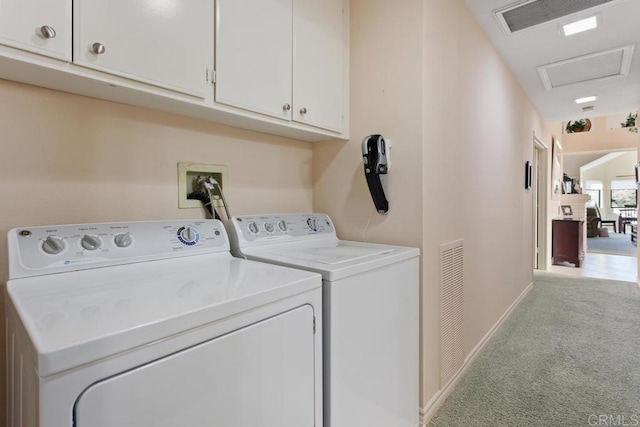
630	123
582	125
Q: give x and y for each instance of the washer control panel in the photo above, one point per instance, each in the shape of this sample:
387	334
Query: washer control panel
270	228
40	250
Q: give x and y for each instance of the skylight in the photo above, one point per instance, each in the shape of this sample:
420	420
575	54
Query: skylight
580	26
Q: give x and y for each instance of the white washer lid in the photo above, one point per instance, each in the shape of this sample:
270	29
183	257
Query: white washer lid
334	259
79	317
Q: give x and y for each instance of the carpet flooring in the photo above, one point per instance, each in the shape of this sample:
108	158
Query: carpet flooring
615	244
568	355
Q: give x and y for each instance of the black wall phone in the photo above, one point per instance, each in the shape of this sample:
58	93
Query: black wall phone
376	163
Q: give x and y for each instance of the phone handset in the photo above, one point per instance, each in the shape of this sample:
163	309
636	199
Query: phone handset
376	163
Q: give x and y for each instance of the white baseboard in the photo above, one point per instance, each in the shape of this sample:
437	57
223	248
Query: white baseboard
441	395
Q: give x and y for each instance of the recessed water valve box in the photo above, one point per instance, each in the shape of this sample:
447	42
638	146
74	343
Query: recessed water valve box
188	175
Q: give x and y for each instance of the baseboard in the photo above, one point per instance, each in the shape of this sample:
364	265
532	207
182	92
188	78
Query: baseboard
441	395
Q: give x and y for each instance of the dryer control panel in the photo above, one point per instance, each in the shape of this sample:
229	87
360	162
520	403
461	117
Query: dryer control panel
271	228
35	251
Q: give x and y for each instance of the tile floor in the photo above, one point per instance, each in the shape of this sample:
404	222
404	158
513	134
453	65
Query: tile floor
602	266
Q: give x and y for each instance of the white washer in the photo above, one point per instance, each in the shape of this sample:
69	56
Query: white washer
371	318
155	324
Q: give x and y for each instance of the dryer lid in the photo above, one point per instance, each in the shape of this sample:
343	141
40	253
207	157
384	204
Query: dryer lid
79	317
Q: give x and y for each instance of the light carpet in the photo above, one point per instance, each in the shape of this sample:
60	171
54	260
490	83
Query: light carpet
615	244
568	355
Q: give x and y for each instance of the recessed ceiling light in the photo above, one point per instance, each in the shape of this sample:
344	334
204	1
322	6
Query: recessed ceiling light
580	26
586	99
588	109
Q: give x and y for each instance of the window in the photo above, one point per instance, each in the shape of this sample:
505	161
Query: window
623	193
595	197
594	189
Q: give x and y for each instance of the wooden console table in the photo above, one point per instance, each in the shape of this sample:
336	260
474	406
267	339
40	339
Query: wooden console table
568	237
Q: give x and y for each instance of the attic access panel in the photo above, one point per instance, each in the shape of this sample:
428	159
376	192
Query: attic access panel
612	63
527	14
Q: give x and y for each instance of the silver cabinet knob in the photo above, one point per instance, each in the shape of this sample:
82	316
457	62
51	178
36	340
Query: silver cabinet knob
47	32
286	107
303	110
98	48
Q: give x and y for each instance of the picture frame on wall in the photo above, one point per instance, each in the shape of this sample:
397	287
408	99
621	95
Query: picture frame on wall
566	210
637	174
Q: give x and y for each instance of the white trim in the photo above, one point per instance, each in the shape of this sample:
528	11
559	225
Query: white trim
541	174
441	395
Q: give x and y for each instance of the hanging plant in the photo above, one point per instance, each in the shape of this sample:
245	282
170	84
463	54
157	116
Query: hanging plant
582	125
630	123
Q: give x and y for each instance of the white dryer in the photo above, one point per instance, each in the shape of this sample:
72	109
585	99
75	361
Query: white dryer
371	317
155	324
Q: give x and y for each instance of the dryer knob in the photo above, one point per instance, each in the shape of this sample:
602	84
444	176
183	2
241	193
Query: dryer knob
253	228
282	225
90	243
313	224
269	227
123	240
189	234
53	245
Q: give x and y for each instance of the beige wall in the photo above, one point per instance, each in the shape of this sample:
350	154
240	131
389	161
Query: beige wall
601	138
69	159
478	134
462	129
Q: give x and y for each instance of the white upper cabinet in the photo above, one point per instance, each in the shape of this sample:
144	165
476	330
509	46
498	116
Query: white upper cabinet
253	56
282	58
166	43
39	26
317	63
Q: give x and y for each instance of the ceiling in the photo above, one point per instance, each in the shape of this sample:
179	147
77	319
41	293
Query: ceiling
555	70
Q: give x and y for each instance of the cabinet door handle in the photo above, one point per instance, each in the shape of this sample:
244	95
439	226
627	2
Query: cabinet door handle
303	110
47	32
98	48
286	107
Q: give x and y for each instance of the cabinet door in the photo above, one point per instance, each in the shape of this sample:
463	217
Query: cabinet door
253	56
167	43
42	27
317	63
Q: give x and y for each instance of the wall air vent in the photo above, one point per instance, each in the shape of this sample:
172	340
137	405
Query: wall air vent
597	66
451	310
530	13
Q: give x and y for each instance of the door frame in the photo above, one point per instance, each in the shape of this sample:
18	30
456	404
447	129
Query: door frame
540	202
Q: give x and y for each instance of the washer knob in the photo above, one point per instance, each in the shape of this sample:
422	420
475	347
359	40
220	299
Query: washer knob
189	234
53	245
253	228
90	243
123	240
313	224
282	225
269	227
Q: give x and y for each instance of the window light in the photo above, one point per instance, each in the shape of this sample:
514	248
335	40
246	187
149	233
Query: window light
586	99
580	26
